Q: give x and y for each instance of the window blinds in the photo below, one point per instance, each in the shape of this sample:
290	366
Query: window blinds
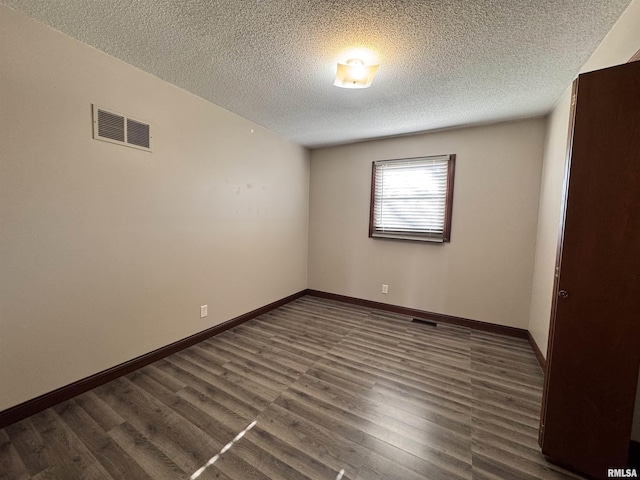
410	198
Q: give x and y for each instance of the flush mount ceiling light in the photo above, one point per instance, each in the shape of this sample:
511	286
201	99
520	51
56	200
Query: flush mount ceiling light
355	74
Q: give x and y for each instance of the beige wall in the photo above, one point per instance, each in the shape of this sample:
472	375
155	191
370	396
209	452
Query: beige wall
618	47
485	272
107	252
548	221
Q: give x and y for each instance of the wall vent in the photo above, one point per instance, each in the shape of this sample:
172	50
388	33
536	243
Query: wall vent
116	128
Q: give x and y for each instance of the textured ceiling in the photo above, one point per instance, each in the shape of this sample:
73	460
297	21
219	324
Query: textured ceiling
442	62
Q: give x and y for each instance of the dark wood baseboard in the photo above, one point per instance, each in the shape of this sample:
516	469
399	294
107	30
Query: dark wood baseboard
436	317
35	405
537	352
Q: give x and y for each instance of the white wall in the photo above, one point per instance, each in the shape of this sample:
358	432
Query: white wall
107	252
484	274
620	44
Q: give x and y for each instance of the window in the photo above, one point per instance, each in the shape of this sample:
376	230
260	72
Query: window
411	198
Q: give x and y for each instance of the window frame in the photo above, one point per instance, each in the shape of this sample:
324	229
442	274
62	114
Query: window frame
415	236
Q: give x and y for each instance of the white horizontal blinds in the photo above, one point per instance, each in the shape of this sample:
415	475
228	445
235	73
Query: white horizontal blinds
410	198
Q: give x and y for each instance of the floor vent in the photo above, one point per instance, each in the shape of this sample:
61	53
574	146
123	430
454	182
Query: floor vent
424	322
116	128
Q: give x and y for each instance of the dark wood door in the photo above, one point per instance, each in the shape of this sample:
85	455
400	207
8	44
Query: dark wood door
594	344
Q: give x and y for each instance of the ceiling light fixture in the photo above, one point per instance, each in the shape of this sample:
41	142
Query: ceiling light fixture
355	74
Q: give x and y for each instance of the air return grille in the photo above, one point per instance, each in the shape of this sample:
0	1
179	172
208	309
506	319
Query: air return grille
110	126
137	133
116	128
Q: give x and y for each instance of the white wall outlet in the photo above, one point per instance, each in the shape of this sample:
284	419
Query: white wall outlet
203	311
385	288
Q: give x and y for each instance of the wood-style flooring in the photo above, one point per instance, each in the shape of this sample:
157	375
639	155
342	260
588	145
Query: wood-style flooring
336	391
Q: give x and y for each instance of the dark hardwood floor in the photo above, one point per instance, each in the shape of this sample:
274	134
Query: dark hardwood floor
335	390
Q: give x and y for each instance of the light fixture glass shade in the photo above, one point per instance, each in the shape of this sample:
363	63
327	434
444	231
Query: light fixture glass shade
354	74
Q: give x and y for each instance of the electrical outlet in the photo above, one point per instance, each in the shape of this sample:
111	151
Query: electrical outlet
203	311
385	288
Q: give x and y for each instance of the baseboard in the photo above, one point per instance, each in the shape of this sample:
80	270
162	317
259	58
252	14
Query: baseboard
436	317
35	405
537	352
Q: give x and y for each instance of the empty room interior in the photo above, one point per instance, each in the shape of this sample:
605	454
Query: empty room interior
319	240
